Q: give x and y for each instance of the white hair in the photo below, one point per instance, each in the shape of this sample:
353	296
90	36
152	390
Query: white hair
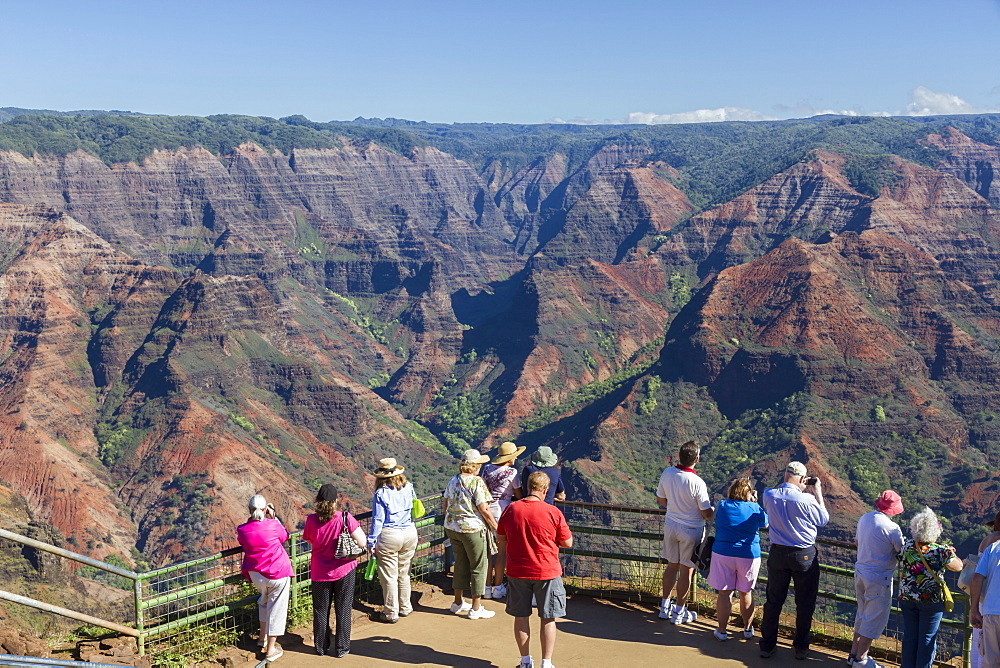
256	505
925	527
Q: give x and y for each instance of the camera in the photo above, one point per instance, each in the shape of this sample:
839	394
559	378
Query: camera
812	480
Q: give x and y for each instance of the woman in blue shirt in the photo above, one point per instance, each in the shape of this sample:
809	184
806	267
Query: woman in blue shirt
736	554
393	538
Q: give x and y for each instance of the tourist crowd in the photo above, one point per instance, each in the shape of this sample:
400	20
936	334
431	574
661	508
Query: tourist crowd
505	533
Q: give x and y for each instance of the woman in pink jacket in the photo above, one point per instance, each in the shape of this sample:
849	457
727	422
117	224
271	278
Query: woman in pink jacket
266	564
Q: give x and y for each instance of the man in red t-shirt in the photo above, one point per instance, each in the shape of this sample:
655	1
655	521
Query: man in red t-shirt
532	532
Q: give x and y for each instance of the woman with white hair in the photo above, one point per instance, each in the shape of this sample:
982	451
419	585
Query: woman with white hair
267	566
921	602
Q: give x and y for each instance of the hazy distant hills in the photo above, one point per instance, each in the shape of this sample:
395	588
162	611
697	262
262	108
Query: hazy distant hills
195	309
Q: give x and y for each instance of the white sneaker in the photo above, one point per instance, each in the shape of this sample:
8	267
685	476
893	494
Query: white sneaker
748	633
499	592
481	613
666	608
721	636
488	593
683	616
867	663
459	609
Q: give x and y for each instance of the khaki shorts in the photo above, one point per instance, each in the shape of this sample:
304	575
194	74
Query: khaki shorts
990	643
679	542
874	601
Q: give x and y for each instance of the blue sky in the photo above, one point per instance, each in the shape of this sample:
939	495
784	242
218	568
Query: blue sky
504	61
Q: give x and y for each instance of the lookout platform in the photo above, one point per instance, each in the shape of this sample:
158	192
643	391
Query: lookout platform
595	632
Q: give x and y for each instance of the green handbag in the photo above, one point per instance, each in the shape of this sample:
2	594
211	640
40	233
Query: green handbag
417	510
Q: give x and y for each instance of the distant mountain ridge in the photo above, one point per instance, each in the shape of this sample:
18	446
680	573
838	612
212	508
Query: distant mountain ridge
195	309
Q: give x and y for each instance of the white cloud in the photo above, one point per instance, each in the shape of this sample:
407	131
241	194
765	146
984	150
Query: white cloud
925	102
699	116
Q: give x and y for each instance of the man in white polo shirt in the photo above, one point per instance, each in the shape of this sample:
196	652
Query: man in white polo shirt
685	496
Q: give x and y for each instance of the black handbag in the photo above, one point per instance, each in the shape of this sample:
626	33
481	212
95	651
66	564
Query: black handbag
346	547
702	556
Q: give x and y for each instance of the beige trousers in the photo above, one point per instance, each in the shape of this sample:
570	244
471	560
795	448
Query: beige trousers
394	551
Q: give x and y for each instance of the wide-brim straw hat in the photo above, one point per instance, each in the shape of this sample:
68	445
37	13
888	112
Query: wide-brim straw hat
388	468
508	452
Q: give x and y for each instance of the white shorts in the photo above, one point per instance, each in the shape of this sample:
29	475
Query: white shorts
679	542
874	601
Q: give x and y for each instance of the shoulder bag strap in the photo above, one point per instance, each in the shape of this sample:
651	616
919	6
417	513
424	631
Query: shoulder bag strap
928	567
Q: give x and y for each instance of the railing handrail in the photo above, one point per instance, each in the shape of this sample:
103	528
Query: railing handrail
68	554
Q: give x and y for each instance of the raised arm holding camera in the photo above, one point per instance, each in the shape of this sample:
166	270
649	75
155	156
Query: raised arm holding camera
796	510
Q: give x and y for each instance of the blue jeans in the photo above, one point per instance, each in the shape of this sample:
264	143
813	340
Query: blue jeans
920	627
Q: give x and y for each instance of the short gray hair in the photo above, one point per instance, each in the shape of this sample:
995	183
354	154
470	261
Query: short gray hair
257	505
925	527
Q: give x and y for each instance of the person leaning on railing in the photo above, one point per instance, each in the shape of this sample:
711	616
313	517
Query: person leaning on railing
467	517
736	554
503	482
267	566
332	578
393	539
921	601
879	541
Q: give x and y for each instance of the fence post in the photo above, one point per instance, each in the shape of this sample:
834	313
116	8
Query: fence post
967	635
293	550
139	616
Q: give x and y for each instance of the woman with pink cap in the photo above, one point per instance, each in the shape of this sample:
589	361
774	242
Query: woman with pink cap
879	541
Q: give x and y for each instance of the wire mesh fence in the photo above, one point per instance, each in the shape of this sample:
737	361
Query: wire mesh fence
187	610
616	554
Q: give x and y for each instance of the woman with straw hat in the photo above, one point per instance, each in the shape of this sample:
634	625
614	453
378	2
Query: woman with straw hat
393	538
467	517
503	483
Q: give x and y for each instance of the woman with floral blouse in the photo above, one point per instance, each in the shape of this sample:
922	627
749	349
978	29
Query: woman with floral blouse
920	597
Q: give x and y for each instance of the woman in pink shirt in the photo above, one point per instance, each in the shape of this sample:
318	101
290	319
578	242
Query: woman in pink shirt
266	564
332	578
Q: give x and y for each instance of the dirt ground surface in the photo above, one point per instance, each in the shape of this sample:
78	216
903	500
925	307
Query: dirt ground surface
595	632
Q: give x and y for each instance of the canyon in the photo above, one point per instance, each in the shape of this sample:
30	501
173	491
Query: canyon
189	327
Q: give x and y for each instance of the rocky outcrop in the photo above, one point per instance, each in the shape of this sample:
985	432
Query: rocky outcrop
975	164
806	201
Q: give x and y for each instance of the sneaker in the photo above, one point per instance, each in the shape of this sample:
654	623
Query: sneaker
721	636
867	663
529	664
768	653
459	609
488	593
666	608
481	613
499	591
278	652
683	616
850	659
748	633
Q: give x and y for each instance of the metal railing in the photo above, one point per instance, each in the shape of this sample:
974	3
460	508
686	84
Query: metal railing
186	610
616	554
